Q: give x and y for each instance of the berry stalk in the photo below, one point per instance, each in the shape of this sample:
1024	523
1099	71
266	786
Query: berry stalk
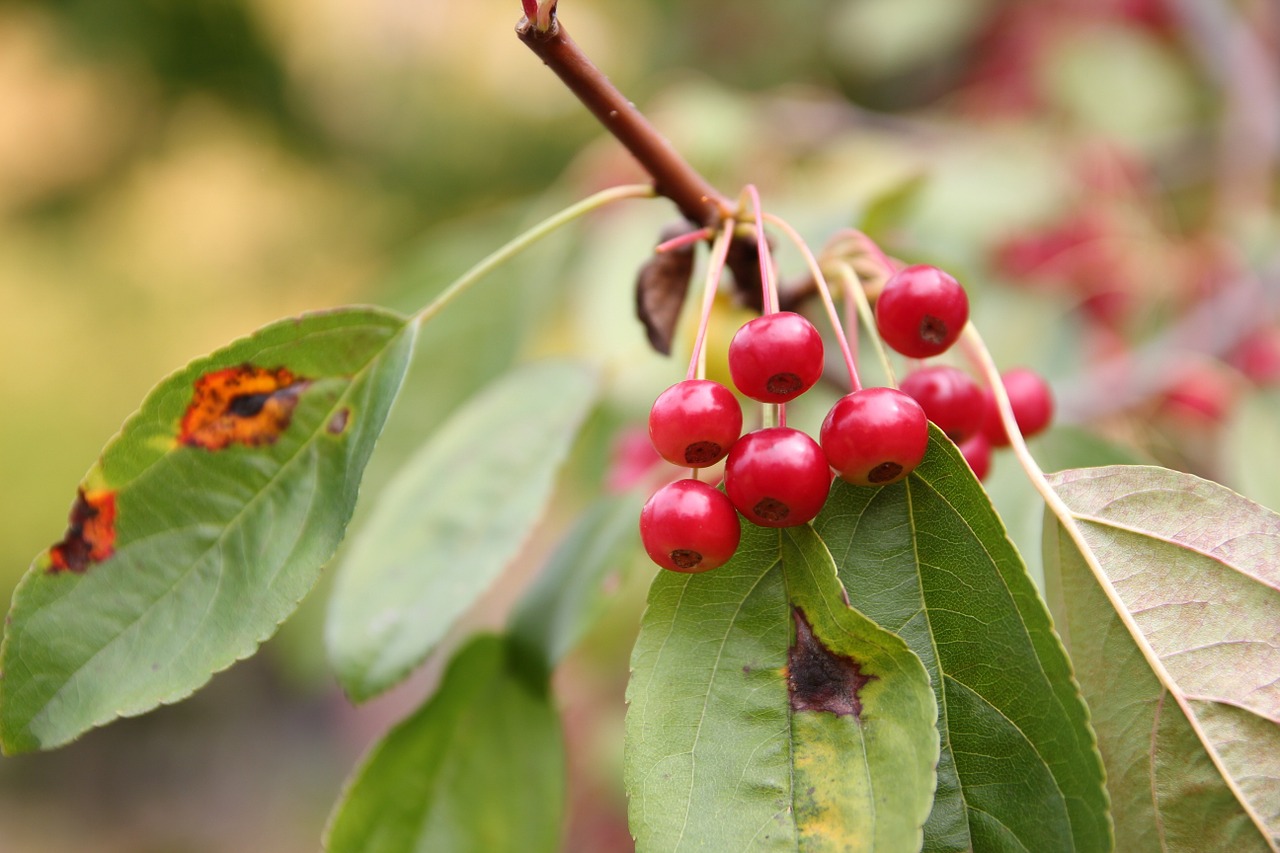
858	308
768	281
815	269
526	239
719	251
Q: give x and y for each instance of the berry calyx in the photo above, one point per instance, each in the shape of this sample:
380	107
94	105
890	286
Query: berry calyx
950	398
689	526
1031	401
777	477
875	436
921	311
695	422
776	358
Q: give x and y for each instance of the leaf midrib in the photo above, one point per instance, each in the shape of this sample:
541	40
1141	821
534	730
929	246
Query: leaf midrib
1102	521
866	763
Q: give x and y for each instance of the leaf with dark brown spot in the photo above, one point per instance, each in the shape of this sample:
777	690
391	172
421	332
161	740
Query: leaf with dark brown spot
819	679
819	727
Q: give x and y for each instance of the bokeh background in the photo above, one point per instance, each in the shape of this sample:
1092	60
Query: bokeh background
1100	173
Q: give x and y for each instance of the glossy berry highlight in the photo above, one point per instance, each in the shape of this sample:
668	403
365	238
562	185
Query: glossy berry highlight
695	422
776	358
921	311
875	436
950	398
688	526
777	477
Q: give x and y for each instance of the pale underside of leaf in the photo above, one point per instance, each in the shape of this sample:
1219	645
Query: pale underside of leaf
716	756
1168	590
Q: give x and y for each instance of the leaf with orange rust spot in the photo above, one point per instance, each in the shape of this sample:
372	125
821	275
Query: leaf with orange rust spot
91	533
209	551
240	405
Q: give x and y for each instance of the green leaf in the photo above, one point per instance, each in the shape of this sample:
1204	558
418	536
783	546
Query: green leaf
726	752
213	548
928	559
456	515
560	606
1168	590
480	767
889	209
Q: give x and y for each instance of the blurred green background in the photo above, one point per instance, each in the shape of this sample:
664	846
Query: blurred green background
176	174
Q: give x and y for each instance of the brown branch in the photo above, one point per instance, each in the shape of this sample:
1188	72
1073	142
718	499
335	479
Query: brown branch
672	175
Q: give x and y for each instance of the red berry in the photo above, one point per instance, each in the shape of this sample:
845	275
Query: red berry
1202	393
977	452
950	398
776	358
921	311
631	458
1031	401
1258	357
875	436
777	477
695	422
689	526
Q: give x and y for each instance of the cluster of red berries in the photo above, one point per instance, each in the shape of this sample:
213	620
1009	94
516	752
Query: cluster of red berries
780	477
967	413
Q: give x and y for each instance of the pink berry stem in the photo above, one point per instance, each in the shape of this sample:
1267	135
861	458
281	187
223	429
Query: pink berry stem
769	285
857	305
815	269
685	240
980	357
715	267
